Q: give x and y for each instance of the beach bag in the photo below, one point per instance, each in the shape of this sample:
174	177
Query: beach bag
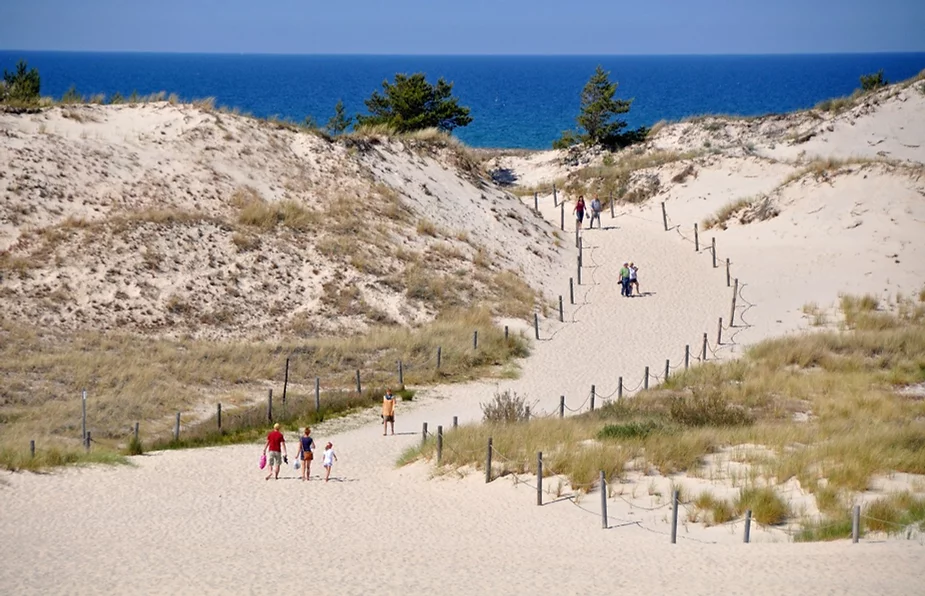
296	464
263	461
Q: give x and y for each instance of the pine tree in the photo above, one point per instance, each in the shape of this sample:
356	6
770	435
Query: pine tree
340	121
411	103
23	85
599	110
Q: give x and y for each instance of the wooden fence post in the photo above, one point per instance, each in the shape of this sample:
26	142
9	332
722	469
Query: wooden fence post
176	431
136	432
562	217
439	355
645	380
32	449
401	374
703	356
593	394
664	216
506	333
732	312
439	445
87	440
475	340
571	290
579	271
218	415
317	394
83	415
855	524
719	332
611	205
748	525
488	463
561	406
539	478
687	356
561	312
455	421
269	408
359	387
727	272
286	381
696	239
555	196
536	201
713	249
536	325
674	517
423	434
619	388
667	368
604	494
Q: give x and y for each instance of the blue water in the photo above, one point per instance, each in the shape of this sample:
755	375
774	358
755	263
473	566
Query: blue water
516	101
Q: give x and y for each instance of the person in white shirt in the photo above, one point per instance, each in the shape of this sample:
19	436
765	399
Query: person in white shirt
329	459
634	282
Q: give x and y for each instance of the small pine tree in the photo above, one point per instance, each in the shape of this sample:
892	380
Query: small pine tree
310	122
599	110
411	103
871	82
23	85
340	121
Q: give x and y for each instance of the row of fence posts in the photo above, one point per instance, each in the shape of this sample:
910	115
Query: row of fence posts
602	482
86	435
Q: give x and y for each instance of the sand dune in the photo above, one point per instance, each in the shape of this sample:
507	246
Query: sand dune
206	521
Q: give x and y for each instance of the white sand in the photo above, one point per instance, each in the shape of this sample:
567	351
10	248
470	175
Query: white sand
205	520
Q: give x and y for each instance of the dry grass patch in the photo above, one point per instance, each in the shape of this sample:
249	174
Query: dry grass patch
618	177
855	424
132	378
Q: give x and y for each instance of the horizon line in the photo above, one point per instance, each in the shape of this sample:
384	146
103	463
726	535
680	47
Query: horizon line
466	55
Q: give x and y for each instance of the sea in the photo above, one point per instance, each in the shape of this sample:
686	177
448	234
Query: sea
515	101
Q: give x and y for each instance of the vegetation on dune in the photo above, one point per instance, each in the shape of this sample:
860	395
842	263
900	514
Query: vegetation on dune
598	119
411	103
826	406
131	378
22	86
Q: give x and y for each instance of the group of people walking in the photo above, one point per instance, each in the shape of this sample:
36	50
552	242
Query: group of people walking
581	212
629	280
276	447
274	451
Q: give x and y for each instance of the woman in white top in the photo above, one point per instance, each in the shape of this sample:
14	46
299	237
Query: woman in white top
634	282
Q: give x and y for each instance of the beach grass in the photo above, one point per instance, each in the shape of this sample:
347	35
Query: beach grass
825	406
131	378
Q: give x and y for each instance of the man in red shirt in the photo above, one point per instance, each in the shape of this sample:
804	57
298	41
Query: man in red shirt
276	445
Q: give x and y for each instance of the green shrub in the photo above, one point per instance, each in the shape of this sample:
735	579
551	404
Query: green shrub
707	410
871	82
767	506
22	85
629	430
505	407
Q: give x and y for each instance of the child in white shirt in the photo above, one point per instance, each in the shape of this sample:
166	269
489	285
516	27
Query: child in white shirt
329	459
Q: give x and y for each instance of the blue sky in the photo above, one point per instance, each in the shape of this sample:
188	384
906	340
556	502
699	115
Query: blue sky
465	26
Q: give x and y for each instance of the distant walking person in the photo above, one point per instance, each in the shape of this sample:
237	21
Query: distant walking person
579	211
306	445
625	280
276	445
388	411
329	459
634	281
595	212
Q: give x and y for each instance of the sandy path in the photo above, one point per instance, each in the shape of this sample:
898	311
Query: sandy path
205	521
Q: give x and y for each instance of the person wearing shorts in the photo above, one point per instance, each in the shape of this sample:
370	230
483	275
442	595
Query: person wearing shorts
388	411
276	445
306	445
595	212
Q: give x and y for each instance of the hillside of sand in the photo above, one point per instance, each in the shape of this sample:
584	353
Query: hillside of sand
379	528
184	220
